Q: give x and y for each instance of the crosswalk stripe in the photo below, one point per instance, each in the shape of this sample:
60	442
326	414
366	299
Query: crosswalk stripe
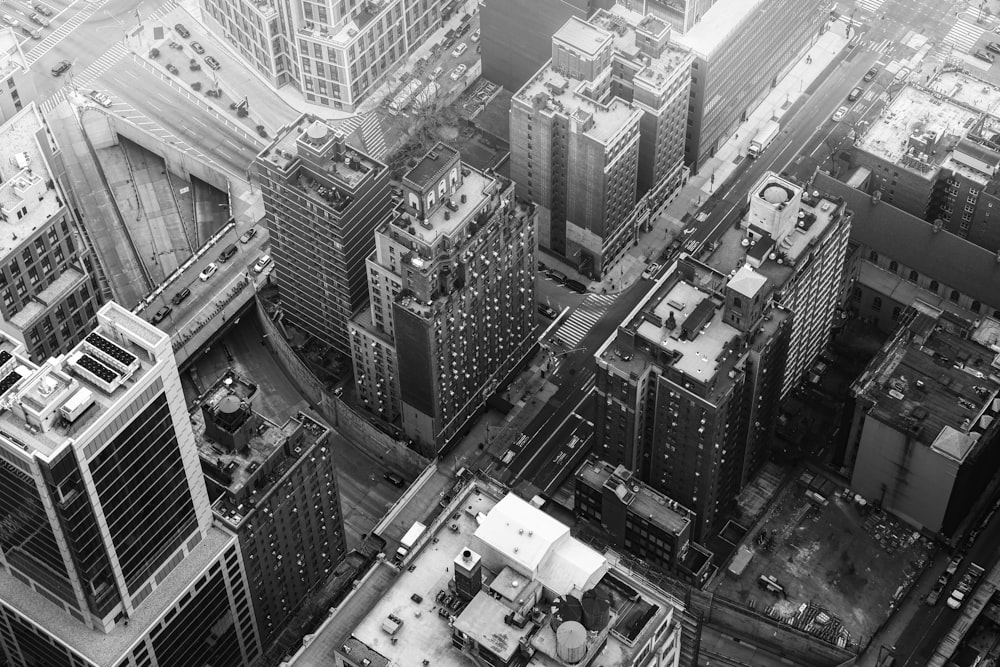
849	21
871	5
59	33
963	34
583	318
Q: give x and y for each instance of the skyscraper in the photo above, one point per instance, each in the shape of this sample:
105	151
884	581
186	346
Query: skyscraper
452	310
334	53
601	124
741	49
19	86
49	292
109	555
322	200
276	487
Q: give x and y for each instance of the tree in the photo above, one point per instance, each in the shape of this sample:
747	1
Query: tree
196	86
154	53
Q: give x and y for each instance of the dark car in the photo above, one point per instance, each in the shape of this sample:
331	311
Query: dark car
197	48
983	55
445	499
854	94
871	74
548	311
394	479
182	31
160	315
576	286
212	62
60	67
227	252
180	296
556	275
42	9
993	46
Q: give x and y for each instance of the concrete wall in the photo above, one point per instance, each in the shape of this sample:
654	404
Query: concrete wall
348	423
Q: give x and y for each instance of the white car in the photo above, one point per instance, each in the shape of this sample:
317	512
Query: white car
839	114
650	271
459	50
262	264
475	35
457	73
11	21
209	271
956	599
101	98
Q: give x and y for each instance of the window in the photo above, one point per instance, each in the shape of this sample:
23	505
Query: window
976	306
933	286
873	256
914	276
954	295
877	304
893	266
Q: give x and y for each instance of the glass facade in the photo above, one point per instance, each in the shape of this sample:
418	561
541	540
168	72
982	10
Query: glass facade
22	644
26	535
144	492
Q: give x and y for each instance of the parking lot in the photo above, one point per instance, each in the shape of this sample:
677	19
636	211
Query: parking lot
839	569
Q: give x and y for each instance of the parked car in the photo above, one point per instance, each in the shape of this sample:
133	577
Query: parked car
935	593
457	73
180	296
160	315
42	21
61	67
197	48
548	311
871	74
11	21
839	114
476	35
227	253
248	234
209	271
182	31
993	46
436	72
394	479
985	56
459	50
576	286
212	62
42	9
650	271
261	263
854	94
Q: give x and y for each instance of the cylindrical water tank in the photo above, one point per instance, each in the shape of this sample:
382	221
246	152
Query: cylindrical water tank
596	611
571	642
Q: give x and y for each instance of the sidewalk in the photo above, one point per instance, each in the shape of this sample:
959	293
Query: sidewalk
669	224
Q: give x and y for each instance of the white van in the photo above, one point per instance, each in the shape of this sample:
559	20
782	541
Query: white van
460	49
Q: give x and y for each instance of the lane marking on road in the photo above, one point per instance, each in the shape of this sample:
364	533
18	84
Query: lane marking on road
541	448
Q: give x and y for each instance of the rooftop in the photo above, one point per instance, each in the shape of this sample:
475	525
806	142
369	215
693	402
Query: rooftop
964	89
412	622
68	281
933	382
565	96
918	130
108	363
108	649
582	36
717	25
622	23
641	499
477	188
431	166
247	475
28	198
951	260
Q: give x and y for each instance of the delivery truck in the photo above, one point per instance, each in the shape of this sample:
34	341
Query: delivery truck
763	139
409	539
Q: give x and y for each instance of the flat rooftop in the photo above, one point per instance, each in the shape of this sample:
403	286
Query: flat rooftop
913	111
67	282
105	363
11	56
717	25
621	23
107	649
562	95
644	501
424	635
431	166
583	36
928	379
961	88
26	199
476	188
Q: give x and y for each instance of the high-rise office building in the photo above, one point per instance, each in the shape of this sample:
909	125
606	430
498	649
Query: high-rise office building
740	54
682	15
452	310
601	124
49	292
334	53
689	385
109	554
322	200
275	486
